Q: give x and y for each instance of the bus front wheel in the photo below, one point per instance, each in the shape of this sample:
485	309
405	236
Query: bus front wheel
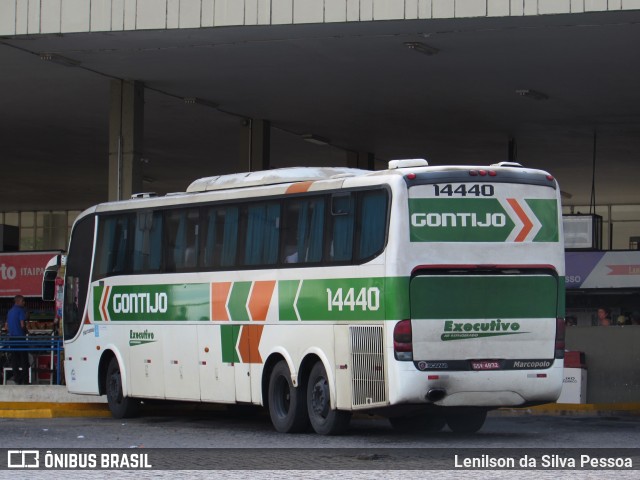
286	403
324	420
120	406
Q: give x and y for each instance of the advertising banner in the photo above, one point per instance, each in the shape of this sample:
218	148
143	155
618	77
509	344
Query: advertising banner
603	269
21	273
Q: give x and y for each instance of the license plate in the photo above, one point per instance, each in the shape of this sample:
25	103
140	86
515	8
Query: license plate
485	364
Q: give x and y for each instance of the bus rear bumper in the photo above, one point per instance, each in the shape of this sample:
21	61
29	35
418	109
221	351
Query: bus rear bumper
478	388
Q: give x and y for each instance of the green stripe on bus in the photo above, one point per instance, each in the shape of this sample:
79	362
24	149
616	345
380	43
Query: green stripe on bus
347	299
228	340
154	302
286	294
484	297
397	298
238	301
97	296
547	213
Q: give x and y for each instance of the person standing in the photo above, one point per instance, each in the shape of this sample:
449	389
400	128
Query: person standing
17	330
604	317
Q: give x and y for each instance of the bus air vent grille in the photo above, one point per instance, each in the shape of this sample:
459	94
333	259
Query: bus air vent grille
368	375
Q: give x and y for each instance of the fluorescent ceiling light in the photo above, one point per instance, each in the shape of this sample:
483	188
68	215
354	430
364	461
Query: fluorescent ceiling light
316	140
422	48
532	94
59	59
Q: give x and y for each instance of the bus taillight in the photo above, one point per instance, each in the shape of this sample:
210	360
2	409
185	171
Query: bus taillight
559	338
402	347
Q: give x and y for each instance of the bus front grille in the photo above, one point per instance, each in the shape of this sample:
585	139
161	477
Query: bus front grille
367	360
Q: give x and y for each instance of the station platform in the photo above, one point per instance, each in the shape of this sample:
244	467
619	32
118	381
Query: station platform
51	401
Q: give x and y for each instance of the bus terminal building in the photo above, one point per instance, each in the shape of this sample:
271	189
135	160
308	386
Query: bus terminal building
104	99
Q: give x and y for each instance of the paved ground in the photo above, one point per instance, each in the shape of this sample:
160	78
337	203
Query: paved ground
369	445
179	428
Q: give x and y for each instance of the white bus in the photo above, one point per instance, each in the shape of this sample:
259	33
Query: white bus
427	294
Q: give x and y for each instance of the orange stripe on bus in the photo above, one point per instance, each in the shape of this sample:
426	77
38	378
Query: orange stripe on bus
219	295
527	225
299	187
260	299
249	343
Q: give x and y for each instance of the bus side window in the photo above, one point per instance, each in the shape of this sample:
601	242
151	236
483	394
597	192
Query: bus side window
77	276
182	239
192	239
261	246
303	231
290	231
112	246
373	223
229	236
105	247
210	241
342	217
147	242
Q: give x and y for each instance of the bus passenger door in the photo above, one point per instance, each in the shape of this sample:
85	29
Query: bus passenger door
217	377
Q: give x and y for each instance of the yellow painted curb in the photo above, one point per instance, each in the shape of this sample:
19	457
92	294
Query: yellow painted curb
27	413
52	410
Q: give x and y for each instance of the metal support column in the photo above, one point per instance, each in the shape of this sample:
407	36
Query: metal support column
255	148
126	125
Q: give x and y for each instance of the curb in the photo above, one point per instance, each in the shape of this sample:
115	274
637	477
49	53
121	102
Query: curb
68	410
52	410
568	409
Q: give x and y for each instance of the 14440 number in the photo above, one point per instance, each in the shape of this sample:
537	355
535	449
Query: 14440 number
464	190
348	299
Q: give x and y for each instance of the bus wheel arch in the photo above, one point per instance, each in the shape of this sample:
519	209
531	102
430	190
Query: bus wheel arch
324	419
121	406
103	365
268	367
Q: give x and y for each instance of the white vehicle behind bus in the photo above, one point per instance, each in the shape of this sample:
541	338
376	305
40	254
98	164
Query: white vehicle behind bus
427	294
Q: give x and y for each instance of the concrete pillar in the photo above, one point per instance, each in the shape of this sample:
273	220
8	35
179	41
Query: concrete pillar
126	125
255	145
364	160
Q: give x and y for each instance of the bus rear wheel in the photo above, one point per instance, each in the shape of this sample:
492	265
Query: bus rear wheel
120	406
286	403
466	421
324	420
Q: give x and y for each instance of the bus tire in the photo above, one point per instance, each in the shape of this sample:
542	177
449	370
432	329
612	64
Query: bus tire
467	421
120	406
324	420
422	423
286	403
